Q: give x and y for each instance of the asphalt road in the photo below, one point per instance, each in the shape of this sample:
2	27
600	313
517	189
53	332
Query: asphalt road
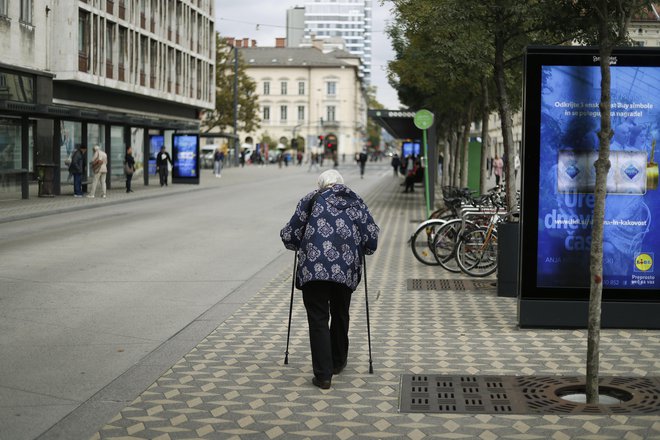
95	304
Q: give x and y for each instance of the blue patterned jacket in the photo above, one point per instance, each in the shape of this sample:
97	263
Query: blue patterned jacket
340	230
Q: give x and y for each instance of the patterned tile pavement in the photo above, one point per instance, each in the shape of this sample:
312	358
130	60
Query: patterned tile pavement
233	384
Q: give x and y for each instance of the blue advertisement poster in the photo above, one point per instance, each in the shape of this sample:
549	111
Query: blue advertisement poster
411	149
570	122
185	156
155	143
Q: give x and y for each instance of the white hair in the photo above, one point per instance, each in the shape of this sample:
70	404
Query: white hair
329	178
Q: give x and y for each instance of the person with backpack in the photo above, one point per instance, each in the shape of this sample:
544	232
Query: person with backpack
331	230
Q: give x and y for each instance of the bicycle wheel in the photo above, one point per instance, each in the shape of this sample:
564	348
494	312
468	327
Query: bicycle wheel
476	252
421	241
444	245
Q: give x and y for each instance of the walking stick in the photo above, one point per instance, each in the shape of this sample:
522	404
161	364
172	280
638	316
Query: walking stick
293	286
366	297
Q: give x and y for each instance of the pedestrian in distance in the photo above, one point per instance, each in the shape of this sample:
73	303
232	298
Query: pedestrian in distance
516	166
161	165
100	170
218	160
77	168
498	168
362	159
396	164
331	230
129	168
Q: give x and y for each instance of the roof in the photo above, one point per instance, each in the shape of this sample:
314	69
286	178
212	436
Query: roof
295	57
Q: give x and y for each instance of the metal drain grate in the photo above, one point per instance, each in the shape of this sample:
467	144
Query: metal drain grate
462	285
422	393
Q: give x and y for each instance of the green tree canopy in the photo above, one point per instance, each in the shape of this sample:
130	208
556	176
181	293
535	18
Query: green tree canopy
222	117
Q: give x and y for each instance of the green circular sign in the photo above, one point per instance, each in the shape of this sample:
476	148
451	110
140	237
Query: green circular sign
423	119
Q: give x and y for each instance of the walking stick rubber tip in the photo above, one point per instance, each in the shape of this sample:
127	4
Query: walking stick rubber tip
286	360
371	369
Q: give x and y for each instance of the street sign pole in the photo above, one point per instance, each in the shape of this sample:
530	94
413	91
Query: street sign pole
423	120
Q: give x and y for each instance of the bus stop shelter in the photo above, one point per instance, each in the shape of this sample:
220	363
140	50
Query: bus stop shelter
400	125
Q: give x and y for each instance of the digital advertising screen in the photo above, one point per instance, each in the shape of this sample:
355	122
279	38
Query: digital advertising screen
185	158
155	143
411	149
562	122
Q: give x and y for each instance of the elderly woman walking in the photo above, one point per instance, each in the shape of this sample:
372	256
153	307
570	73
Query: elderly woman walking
331	230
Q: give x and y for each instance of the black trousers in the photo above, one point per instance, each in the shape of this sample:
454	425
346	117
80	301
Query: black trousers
329	344
129	177
163	172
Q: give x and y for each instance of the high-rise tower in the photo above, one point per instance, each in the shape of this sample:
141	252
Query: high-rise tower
348	19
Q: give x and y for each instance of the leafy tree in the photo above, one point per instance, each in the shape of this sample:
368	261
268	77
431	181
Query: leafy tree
222	116
605	24
465	42
373	129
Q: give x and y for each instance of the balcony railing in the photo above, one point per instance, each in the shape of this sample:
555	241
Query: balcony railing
122	11
110	6
120	72
108	69
142	78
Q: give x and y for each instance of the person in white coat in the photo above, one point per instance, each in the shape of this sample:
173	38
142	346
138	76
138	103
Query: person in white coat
100	169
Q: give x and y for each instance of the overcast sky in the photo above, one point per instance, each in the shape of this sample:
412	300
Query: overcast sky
264	20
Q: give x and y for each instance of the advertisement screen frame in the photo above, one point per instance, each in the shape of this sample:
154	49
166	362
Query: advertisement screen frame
188	170
536	59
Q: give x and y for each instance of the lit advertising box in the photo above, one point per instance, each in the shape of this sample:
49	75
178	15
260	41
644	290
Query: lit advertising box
185	158
562	121
411	149
156	141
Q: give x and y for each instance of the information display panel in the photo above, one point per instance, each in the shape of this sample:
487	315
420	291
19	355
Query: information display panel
185	158
411	149
156	141
562	121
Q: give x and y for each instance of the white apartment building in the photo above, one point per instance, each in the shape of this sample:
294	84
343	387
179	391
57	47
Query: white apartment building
348	19
305	93
113	73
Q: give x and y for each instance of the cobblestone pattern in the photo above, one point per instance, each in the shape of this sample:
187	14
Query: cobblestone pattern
234	385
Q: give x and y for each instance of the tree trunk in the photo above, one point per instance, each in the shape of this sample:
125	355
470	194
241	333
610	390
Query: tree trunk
507	122
465	148
485	116
600	192
455	159
445	163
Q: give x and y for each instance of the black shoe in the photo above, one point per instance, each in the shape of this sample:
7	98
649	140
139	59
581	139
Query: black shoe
323	384
338	370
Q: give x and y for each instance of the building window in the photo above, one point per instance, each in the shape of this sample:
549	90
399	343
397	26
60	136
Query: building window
301	112
26	11
283	112
266	87
283	87
83	41
330	114
266	113
332	88
301	88
110	44
3	8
